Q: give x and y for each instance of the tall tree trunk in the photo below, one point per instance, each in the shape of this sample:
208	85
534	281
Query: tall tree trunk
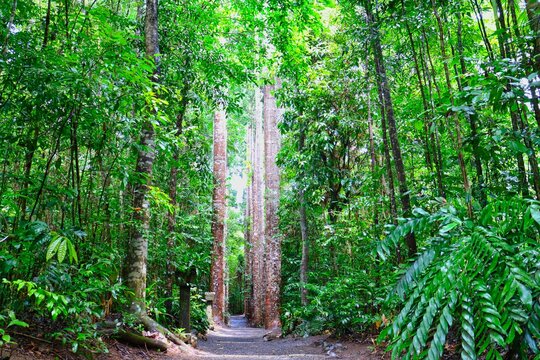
426	123
384	89
533	161
47	25
218	224
434	133
272	236
481	25
374	164
473	118
459	140
184	298
137	247
517	124
248	233
304	262
258	248
391	191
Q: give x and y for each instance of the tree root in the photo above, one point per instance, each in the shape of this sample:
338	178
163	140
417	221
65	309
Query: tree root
139	340
113	329
152	325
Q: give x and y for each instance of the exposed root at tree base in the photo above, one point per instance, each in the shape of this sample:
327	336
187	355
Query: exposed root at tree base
131	338
139	340
152	325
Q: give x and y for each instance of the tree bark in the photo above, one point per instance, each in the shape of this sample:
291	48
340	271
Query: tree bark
426	123
47	25
473	118
459	140
220	208
304	262
31	147
137	247
517	123
384	90
258	248
184	299
248	234
272	236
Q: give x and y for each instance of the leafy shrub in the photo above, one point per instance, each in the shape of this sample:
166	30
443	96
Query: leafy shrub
199	320
6	321
67	296
478	277
346	304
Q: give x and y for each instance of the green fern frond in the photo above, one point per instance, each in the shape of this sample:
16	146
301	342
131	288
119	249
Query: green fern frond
468	351
420	339
445	322
423	261
490	268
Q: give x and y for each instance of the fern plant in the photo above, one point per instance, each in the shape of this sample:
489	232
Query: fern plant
479	279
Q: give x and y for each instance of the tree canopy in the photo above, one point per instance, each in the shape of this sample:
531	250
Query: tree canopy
381	169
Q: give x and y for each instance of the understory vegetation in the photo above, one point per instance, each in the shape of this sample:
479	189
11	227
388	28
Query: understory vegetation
409	202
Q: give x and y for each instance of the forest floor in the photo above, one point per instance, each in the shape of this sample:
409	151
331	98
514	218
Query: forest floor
238	341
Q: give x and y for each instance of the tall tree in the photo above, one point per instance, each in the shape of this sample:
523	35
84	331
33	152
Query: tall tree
248	234
386	99
273	239
304	260
220	209
137	250
257	217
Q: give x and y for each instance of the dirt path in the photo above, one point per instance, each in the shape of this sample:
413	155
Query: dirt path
239	341
242	342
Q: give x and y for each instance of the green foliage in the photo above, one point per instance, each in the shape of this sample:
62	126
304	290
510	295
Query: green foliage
62	245
76	92
5	323
477	277
345	305
199	318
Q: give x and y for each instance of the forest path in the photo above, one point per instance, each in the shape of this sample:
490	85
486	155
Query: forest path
239	341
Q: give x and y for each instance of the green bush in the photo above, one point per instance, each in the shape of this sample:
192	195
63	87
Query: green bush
479	278
346	304
199	320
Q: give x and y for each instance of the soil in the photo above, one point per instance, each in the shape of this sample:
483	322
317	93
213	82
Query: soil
238	341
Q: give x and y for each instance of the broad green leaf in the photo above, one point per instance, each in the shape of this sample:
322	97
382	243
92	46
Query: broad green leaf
62	250
53	248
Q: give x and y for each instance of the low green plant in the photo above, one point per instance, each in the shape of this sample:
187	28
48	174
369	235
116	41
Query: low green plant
345	305
61	245
476	277
7	320
199	319
73	313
